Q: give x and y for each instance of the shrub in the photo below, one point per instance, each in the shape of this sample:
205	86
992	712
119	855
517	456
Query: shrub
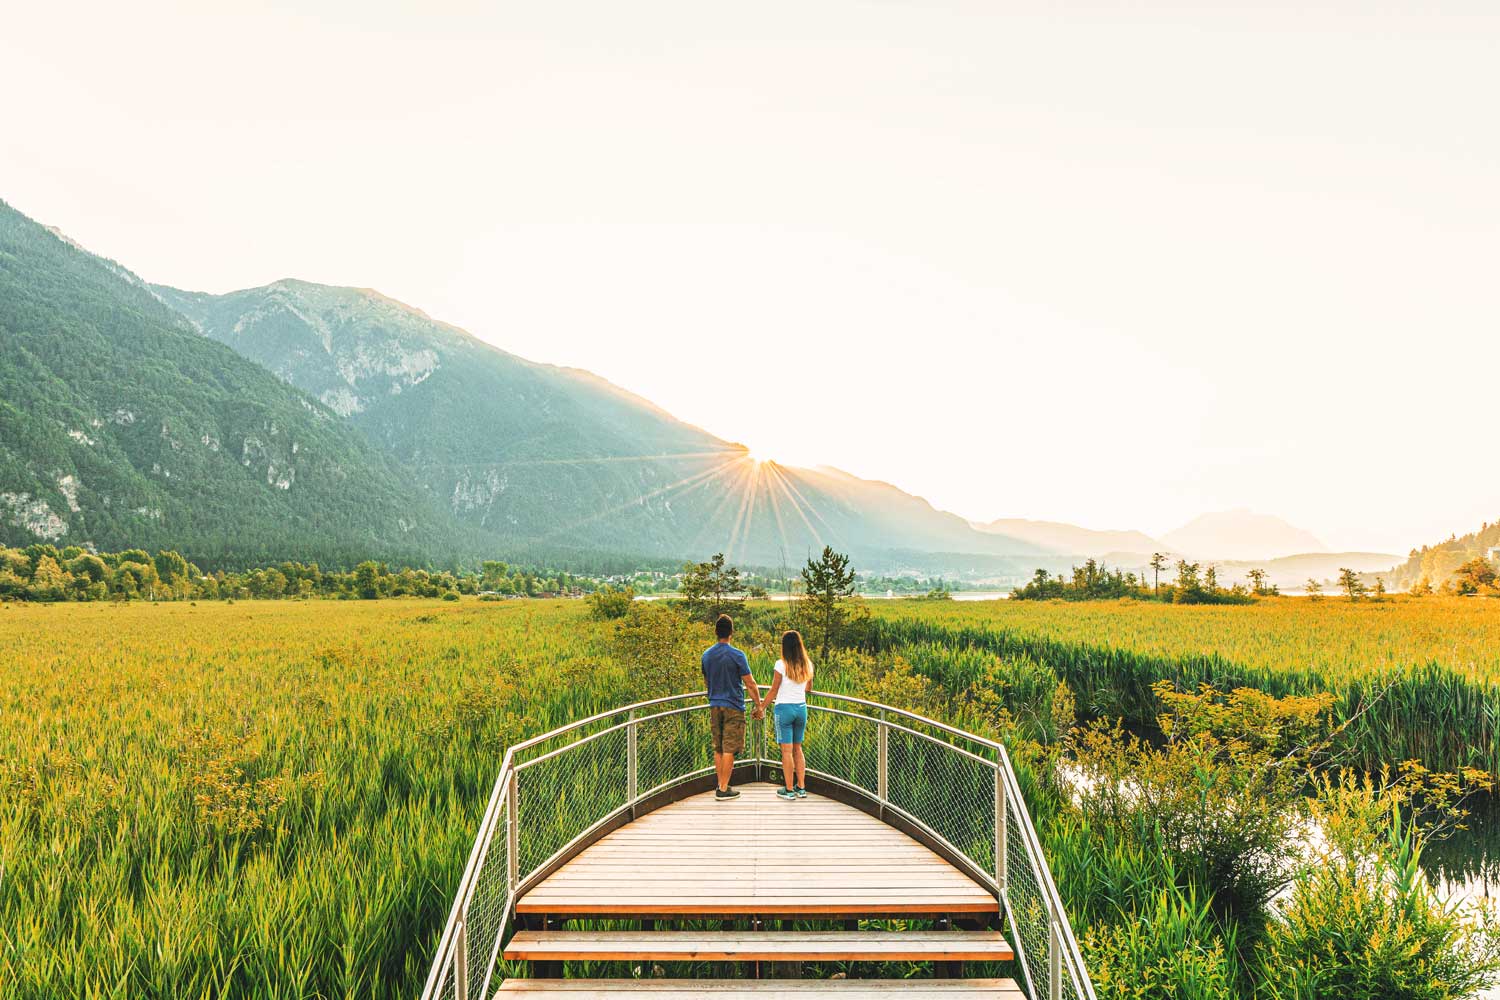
1368	926
1222	798
661	648
609	604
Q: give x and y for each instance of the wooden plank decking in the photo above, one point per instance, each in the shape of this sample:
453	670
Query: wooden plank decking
757	856
769	989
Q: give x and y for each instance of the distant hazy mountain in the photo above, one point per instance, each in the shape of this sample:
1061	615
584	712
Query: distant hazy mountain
1241	535
120	426
1070	539
540	456
1290	572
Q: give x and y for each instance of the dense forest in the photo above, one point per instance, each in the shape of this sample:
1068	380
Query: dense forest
1454	564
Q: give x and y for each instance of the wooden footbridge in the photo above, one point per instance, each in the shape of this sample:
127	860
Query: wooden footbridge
604	866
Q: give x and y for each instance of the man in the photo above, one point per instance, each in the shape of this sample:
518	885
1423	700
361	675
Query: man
724	670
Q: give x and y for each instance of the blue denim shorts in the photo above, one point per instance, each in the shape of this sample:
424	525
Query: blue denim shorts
791	723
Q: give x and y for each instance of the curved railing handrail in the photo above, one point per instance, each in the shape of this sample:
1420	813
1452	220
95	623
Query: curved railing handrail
450	972
933	723
553	734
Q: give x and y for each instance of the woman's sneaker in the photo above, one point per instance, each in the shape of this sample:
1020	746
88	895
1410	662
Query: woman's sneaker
786	793
801	792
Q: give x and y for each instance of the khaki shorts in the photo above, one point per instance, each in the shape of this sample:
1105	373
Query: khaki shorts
728	725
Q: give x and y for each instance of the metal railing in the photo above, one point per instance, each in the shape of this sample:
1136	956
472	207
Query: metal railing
559	789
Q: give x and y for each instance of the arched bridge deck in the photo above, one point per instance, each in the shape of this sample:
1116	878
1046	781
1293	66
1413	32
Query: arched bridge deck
603	843
758	856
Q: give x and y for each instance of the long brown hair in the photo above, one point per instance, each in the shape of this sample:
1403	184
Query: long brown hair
799	668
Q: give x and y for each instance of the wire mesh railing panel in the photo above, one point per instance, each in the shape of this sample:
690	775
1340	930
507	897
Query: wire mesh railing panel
1027	902
487	910
446	985
951	792
843	746
1070	987
670	748
560	797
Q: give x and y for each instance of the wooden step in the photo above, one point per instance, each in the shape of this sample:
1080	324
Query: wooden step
759	946
771	989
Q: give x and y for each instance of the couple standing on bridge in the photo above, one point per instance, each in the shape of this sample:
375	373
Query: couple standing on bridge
725	669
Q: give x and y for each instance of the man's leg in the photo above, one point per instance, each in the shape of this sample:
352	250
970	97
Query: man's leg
733	744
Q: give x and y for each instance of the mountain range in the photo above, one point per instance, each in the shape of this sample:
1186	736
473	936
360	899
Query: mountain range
304	421
538	455
299	420
121	426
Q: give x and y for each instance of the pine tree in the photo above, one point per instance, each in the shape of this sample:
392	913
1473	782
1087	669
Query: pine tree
827	581
711	589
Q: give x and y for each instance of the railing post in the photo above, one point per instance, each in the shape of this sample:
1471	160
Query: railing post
1054	957
882	763
632	780
757	737
461	960
513	836
1000	831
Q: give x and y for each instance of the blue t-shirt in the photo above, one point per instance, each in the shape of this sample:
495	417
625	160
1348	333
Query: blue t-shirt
723	666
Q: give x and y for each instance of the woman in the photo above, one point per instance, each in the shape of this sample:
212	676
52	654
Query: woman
789	689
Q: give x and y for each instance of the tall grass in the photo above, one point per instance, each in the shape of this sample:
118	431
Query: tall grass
270	800
277	799
1422	677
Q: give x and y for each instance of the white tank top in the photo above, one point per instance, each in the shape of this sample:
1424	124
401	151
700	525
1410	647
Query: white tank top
790	692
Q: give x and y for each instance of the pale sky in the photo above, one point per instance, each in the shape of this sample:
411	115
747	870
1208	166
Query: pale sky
1115	264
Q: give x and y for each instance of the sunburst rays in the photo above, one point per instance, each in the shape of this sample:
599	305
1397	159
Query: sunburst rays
753	494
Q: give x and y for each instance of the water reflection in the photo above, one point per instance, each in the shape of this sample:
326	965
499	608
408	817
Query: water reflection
1466	865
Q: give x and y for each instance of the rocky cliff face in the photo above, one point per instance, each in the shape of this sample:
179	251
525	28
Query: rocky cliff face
121	426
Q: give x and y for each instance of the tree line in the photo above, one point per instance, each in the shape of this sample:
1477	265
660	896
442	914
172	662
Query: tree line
47	573
1093	581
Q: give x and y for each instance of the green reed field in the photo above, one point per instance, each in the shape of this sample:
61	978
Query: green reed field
1425	672
276	799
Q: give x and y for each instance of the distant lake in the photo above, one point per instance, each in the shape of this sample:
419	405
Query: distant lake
958	595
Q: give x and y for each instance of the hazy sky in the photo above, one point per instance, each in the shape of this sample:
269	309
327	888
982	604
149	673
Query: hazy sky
1116	264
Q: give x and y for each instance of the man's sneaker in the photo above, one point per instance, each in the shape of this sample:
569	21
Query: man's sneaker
801	792
721	796
786	793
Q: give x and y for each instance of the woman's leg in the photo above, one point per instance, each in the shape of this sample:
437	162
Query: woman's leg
799	762
789	763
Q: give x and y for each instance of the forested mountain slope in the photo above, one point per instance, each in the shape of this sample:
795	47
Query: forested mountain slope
1437	563
120	426
553	458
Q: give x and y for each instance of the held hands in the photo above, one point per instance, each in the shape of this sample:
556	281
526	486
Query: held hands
759	713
